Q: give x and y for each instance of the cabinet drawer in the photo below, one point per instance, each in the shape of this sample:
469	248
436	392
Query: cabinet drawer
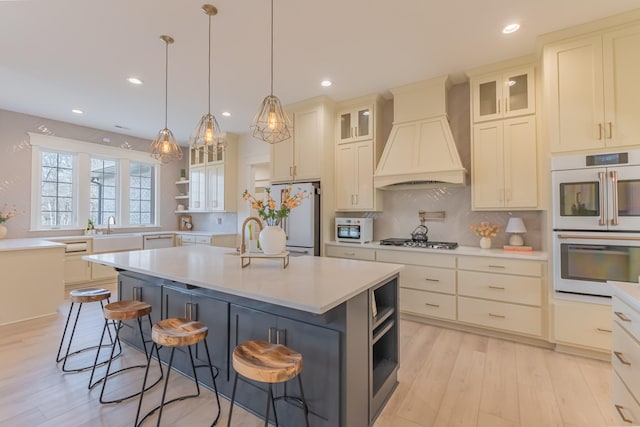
500	315
352	253
406	257
501	265
428	279
626	316
203	240
188	239
427	304
500	287
583	324
625	358
625	408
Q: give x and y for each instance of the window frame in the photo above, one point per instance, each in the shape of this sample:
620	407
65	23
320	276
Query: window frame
83	152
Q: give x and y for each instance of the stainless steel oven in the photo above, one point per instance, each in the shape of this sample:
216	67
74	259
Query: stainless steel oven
584	261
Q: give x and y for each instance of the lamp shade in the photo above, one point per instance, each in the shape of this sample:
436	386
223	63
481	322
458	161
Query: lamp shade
515	225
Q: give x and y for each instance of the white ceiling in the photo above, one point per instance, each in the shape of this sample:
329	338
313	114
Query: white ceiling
56	55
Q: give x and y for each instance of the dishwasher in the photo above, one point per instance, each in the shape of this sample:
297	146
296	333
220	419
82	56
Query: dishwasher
155	241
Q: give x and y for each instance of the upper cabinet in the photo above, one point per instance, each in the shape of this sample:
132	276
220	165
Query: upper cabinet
300	158
358	148
592	91
355	124
212	179
502	95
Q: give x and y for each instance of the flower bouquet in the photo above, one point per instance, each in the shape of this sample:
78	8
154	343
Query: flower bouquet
485	230
269	211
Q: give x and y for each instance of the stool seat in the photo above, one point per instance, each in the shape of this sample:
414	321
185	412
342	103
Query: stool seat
126	310
266	362
89	295
178	332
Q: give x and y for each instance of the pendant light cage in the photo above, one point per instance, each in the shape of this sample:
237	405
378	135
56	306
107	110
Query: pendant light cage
271	124
164	147
209	136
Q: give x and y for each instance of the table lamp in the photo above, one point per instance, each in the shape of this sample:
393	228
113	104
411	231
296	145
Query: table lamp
515	226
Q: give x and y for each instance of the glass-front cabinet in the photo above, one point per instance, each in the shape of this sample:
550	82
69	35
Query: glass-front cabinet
504	95
355	124
203	156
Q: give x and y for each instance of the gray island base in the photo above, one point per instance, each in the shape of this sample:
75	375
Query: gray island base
321	307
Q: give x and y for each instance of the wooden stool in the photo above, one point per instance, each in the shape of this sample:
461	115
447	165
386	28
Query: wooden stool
117	312
82	296
268	363
178	332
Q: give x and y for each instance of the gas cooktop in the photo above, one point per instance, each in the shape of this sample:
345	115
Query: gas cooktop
418	243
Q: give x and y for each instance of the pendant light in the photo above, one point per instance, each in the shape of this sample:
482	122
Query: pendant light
271	124
208	134
164	147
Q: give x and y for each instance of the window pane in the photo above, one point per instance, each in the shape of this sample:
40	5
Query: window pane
56	189
104	179
141	193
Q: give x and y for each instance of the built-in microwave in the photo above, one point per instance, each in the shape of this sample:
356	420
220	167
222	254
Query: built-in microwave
354	230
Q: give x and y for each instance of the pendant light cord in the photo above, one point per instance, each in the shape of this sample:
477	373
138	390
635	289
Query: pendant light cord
166	81
272	47
209	107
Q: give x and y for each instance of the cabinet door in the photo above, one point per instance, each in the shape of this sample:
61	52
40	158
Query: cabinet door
320	349
520	166
487	186
575	95
364	178
622	88
130	288
307	150
519	92
99	272
345	176
197	188
76	270
345	127
487	96
282	161
176	304
214	314
215	187
355	124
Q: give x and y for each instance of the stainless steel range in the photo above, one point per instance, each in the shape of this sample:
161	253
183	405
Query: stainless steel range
426	244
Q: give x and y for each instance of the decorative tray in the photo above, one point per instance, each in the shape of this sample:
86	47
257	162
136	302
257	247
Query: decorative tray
246	258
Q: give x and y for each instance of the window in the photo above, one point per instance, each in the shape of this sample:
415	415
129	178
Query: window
76	181
141	193
103	192
56	189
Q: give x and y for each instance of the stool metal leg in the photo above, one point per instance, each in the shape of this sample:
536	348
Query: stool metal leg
304	401
213	377
233	398
269	403
64	333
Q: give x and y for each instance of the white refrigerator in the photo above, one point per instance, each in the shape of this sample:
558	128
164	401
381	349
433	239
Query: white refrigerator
302	227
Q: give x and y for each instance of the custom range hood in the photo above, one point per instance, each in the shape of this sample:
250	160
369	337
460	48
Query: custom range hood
420	151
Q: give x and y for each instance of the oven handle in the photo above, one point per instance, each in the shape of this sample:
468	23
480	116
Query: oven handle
601	180
614	196
571	236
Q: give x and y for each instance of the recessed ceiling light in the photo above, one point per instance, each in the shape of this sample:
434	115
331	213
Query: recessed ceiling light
511	28
326	83
77	111
134	81
226	114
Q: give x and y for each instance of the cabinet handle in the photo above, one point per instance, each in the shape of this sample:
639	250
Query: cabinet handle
496	266
599	131
137	293
621	358
270	335
432	305
500	288
506	105
625	419
350	254
281	339
610	128
187	311
622	316
356	196
295	170
498	106
608	331
499	316
431	280
291	170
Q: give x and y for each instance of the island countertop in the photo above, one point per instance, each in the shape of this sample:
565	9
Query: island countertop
312	284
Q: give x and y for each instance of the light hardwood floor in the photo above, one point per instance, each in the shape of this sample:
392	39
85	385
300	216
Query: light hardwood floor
447	378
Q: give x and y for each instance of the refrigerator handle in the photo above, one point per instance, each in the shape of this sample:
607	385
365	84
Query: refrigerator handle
285	224
601	180
614	197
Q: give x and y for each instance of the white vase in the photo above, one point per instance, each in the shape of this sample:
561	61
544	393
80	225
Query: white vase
3	231
485	242
272	240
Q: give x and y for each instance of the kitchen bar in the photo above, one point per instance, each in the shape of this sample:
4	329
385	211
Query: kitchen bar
322	307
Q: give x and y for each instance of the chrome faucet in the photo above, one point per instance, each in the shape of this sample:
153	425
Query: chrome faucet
110	221
243	246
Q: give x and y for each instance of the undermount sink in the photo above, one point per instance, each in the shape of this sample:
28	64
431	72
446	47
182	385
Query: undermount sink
117	242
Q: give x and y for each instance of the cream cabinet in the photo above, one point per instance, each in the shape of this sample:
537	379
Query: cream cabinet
592	91
504	172
76	270
501	95
582	325
224	240
183	194
213	182
356	124
301	157
625	360
351	253
355	165
500	293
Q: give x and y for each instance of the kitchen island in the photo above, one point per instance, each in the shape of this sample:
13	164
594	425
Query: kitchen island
342	315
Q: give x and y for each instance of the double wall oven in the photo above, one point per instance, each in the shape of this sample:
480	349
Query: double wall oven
596	221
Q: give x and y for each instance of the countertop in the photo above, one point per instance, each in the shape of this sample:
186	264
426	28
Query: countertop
627	292
312	284
27	244
460	250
